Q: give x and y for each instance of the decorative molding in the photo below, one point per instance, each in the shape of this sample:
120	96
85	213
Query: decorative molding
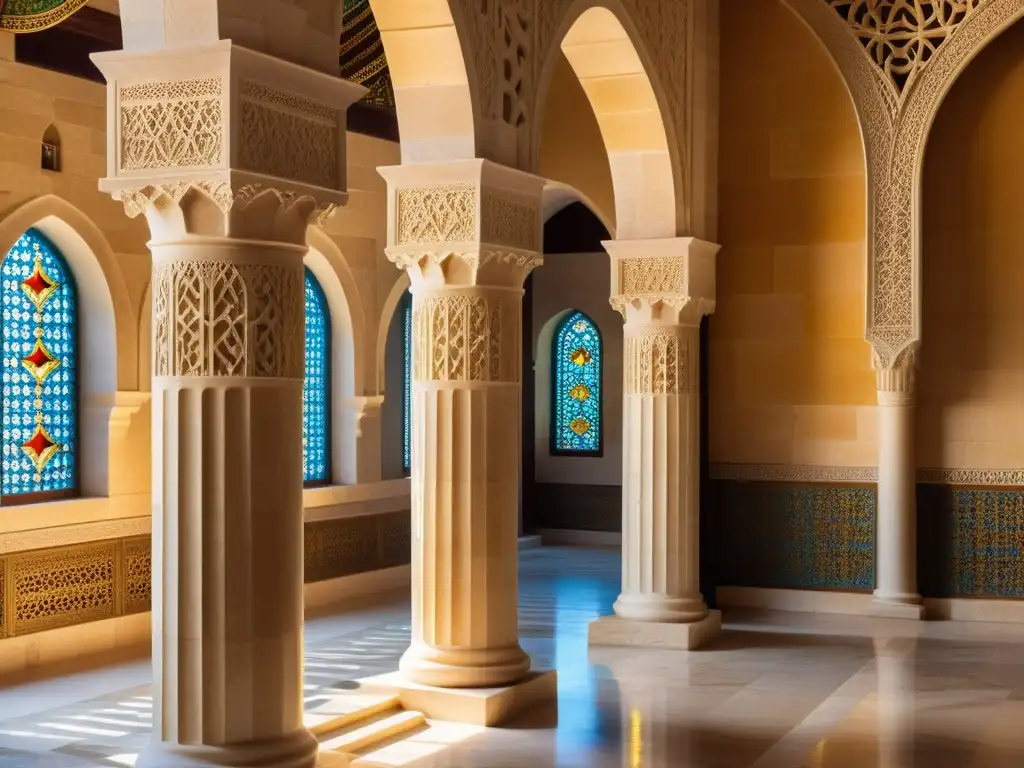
170	124
287	136
793	474
36	22
462	337
981	477
440	214
66	535
217	318
138	201
810	474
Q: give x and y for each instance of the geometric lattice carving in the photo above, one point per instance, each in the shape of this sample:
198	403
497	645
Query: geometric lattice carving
461	337
901	36
443	214
216	318
515	36
510	220
652	276
345	546
287	136
656	363
175	124
137	575
56	588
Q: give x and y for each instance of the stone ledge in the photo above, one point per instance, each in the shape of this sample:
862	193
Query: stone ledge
886	610
612	630
487	707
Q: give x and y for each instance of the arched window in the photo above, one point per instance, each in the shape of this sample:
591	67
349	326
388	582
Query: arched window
316	388
407	389
576	428
40	375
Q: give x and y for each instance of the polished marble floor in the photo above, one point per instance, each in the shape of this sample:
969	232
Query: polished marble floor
776	690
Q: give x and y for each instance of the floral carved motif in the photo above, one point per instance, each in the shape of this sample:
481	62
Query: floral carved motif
215	318
926	44
444	214
657	363
461	337
175	124
655	275
901	36
287	136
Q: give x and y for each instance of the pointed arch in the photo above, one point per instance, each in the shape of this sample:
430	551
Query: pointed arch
430	74
107	332
615	73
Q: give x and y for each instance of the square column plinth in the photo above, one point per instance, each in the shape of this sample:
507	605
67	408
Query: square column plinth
616	631
487	707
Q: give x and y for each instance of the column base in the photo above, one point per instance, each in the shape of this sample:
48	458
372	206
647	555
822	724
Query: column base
299	750
614	630
909	607
660	609
473	706
486	668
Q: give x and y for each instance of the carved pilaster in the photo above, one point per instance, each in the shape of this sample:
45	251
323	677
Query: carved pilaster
469	234
896	382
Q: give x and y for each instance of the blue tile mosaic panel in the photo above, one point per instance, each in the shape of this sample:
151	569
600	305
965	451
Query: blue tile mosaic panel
971	542
783	536
576	382
40	369
316	391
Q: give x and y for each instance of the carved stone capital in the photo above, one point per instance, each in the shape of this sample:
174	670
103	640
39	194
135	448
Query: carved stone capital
465	223
896	377
225	124
669	281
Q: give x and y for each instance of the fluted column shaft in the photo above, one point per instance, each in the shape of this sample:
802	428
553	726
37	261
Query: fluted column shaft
468	233
227	504
896	524
660	492
466	419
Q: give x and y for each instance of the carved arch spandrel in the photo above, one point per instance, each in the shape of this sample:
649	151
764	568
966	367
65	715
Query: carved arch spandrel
895	125
645	32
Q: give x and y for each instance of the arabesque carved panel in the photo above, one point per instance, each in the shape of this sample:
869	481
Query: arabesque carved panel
173	124
215	318
460	337
657	363
443	214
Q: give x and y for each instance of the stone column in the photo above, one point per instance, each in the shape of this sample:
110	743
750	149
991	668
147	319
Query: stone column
468	233
228	221
663	288
896	518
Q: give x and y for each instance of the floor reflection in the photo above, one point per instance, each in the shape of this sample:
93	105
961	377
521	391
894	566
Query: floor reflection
775	691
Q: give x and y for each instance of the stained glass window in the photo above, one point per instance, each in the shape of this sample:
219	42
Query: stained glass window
316	411
576	377
407	389
40	374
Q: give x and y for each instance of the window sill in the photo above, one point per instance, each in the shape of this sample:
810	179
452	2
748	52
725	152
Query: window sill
322	503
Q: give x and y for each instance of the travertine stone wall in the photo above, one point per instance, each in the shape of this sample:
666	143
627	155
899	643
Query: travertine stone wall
790	372
971	377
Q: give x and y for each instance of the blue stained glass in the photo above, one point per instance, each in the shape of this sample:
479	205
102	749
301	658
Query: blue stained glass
576	376
407	390
40	369
316	410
